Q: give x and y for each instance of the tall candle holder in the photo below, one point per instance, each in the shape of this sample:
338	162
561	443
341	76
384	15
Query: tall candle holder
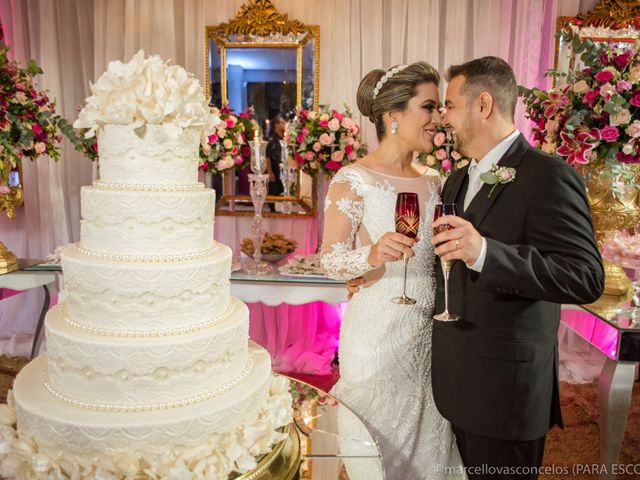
258	182
287	177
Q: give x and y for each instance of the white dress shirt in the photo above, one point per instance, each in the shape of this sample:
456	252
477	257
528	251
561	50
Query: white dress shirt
475	184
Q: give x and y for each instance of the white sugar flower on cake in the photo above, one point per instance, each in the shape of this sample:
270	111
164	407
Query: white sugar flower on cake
146	90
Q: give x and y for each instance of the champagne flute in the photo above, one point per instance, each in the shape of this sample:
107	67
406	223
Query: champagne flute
445	209
407	222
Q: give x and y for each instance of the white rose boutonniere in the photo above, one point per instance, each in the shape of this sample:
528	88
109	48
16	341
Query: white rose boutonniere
498	176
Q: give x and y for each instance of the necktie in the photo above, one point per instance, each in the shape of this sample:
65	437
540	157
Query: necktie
474	184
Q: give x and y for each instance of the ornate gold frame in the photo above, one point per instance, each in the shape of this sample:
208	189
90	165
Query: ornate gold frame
15	198
607	14
258	24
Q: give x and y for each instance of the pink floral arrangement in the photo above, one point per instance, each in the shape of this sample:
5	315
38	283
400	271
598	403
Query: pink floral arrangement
443	158
324	141
29	125
593	121
227	148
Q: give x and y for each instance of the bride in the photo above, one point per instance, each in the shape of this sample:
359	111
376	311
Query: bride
385	348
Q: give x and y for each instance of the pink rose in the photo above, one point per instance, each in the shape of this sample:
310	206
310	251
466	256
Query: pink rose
324	123
505	175
627	158
356	145
334	124
305	131
635	100
231	121
580	87
317	147
609	134
455	155
239	160
221	130
634	74
590	97
331	165
623	86
300	138
607	91
20	87
446	165
337	156
325	139
348	149
299	158
355	129
633	130
622	60
213	138
604	76
203	166
347	122
37	129
309	156
621	118
352	156
337	115
40	148
441	154
439	139
4	190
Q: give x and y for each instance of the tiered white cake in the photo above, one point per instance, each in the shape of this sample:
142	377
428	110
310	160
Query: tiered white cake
148	369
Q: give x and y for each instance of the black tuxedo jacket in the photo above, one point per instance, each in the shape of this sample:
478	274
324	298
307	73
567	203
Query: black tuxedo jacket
494	371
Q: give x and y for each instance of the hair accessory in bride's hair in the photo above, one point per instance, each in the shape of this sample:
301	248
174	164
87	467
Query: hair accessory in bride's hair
390	73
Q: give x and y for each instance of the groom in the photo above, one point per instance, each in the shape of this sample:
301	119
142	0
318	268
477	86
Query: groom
520	250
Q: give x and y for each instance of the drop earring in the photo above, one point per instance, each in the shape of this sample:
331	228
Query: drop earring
394	127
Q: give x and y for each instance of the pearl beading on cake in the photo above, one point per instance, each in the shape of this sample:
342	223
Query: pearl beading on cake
149	187
153	406
150	333
147	258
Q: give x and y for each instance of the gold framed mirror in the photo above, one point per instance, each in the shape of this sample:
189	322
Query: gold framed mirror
15	197
610	21
263	59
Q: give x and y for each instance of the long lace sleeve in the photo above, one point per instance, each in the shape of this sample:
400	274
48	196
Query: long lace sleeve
342	256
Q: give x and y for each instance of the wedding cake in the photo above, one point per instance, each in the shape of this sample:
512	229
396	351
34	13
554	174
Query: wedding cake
148	371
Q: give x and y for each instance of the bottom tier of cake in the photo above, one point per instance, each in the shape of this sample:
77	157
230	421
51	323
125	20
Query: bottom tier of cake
210	439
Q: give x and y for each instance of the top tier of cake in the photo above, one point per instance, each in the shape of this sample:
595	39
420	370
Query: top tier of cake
147	155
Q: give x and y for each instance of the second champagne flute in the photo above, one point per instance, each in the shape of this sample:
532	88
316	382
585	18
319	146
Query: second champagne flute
445	209
407	223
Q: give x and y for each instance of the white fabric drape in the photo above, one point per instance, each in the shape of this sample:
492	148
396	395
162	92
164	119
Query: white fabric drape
59	35
73	40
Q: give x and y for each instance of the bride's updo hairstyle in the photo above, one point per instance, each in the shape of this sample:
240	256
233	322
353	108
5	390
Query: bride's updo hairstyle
382	91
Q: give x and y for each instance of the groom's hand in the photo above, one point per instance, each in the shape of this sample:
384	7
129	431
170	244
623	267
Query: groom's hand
462	242
353	286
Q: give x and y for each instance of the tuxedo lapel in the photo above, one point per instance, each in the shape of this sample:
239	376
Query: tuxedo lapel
452	186
482	202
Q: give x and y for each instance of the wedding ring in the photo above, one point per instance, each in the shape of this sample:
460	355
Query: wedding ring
457	244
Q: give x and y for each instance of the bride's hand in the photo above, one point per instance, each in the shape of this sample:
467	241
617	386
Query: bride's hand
390	248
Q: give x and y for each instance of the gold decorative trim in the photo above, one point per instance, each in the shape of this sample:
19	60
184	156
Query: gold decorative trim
15	198
260	17
8	260
611	13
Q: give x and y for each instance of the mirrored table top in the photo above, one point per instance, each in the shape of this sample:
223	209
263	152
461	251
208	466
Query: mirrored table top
333	440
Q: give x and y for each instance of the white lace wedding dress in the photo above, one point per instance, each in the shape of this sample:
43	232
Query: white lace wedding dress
385	349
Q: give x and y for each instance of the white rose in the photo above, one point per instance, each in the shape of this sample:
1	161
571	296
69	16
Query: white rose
127	464
621	118
431	160
581	87
633	130
7	415
324	117
607	90
627	149
313	115
279	385
334	125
